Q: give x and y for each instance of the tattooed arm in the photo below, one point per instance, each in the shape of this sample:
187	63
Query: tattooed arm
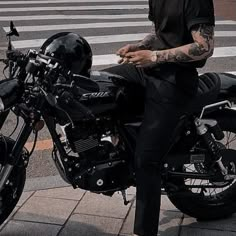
149	40
145	44
201	48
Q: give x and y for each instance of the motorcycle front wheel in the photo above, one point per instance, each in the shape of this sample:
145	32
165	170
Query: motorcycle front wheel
215	199
14	186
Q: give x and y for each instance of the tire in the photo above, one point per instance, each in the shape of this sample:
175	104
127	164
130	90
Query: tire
13	189
198	205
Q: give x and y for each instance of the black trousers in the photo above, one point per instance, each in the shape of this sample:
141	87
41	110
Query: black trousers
165	103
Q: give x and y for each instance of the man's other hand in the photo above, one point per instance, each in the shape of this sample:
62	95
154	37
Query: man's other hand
127	48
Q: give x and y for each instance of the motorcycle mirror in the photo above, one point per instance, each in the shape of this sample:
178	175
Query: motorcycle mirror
13	31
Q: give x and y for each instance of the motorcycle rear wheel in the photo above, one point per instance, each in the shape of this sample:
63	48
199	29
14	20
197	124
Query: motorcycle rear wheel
210	204
13	189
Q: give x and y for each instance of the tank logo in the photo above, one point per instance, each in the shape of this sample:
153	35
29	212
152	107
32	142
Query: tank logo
95	95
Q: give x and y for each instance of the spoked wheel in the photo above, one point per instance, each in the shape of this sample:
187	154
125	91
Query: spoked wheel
14	186
209	199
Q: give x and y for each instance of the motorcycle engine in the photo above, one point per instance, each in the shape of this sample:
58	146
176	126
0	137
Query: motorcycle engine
103	167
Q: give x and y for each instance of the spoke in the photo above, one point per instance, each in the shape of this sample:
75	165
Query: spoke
230	141
207	188
228	136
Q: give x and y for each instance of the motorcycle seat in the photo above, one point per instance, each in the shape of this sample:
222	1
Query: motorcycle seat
208	91
228	86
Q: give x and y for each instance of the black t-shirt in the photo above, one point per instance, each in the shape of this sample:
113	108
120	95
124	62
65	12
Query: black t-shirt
174	19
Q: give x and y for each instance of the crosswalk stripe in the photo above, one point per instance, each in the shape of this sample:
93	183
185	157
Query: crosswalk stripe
225	22
108	59
33	43
72	17
91	39
73	8
35	28
62	1
79	26
101	60
225	52
225	33
89	17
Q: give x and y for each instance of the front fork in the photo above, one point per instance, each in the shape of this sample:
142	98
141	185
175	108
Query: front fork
15	153
205	129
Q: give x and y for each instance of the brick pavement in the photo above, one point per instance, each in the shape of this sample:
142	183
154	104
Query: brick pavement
68	212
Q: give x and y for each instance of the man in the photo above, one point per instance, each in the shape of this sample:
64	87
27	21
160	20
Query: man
164	63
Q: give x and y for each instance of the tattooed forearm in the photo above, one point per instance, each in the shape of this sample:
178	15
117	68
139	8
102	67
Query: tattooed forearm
197	49
200	49
149	40
204	40
177	55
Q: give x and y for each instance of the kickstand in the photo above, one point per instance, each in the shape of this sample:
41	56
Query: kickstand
123	192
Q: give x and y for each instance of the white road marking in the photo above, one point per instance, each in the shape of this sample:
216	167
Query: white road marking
34	28
225	52
79	26
225	22
108	59
72	17
34	43
91	39
225	33
73	8
62	1
89	17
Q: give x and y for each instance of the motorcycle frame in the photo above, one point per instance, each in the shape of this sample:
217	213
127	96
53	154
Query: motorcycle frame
29	122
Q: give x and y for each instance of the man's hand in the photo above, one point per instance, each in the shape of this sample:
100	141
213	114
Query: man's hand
141	58
127	48
124	50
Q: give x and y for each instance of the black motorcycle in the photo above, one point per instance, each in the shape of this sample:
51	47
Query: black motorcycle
101	115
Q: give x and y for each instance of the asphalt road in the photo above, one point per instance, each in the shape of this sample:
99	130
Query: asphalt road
91	19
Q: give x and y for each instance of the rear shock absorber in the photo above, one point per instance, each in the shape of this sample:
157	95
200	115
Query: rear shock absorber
204	129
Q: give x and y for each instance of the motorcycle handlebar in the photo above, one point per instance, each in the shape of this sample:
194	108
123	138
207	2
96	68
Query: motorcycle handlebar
14	54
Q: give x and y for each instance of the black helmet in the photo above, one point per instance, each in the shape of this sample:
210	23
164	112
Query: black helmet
71	50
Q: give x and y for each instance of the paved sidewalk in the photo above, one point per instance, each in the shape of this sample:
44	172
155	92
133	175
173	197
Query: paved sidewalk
68	212
225	9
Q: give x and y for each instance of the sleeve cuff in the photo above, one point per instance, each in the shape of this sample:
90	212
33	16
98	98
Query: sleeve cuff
197	21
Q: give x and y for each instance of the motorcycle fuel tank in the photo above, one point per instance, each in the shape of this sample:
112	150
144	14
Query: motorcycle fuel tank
97	96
